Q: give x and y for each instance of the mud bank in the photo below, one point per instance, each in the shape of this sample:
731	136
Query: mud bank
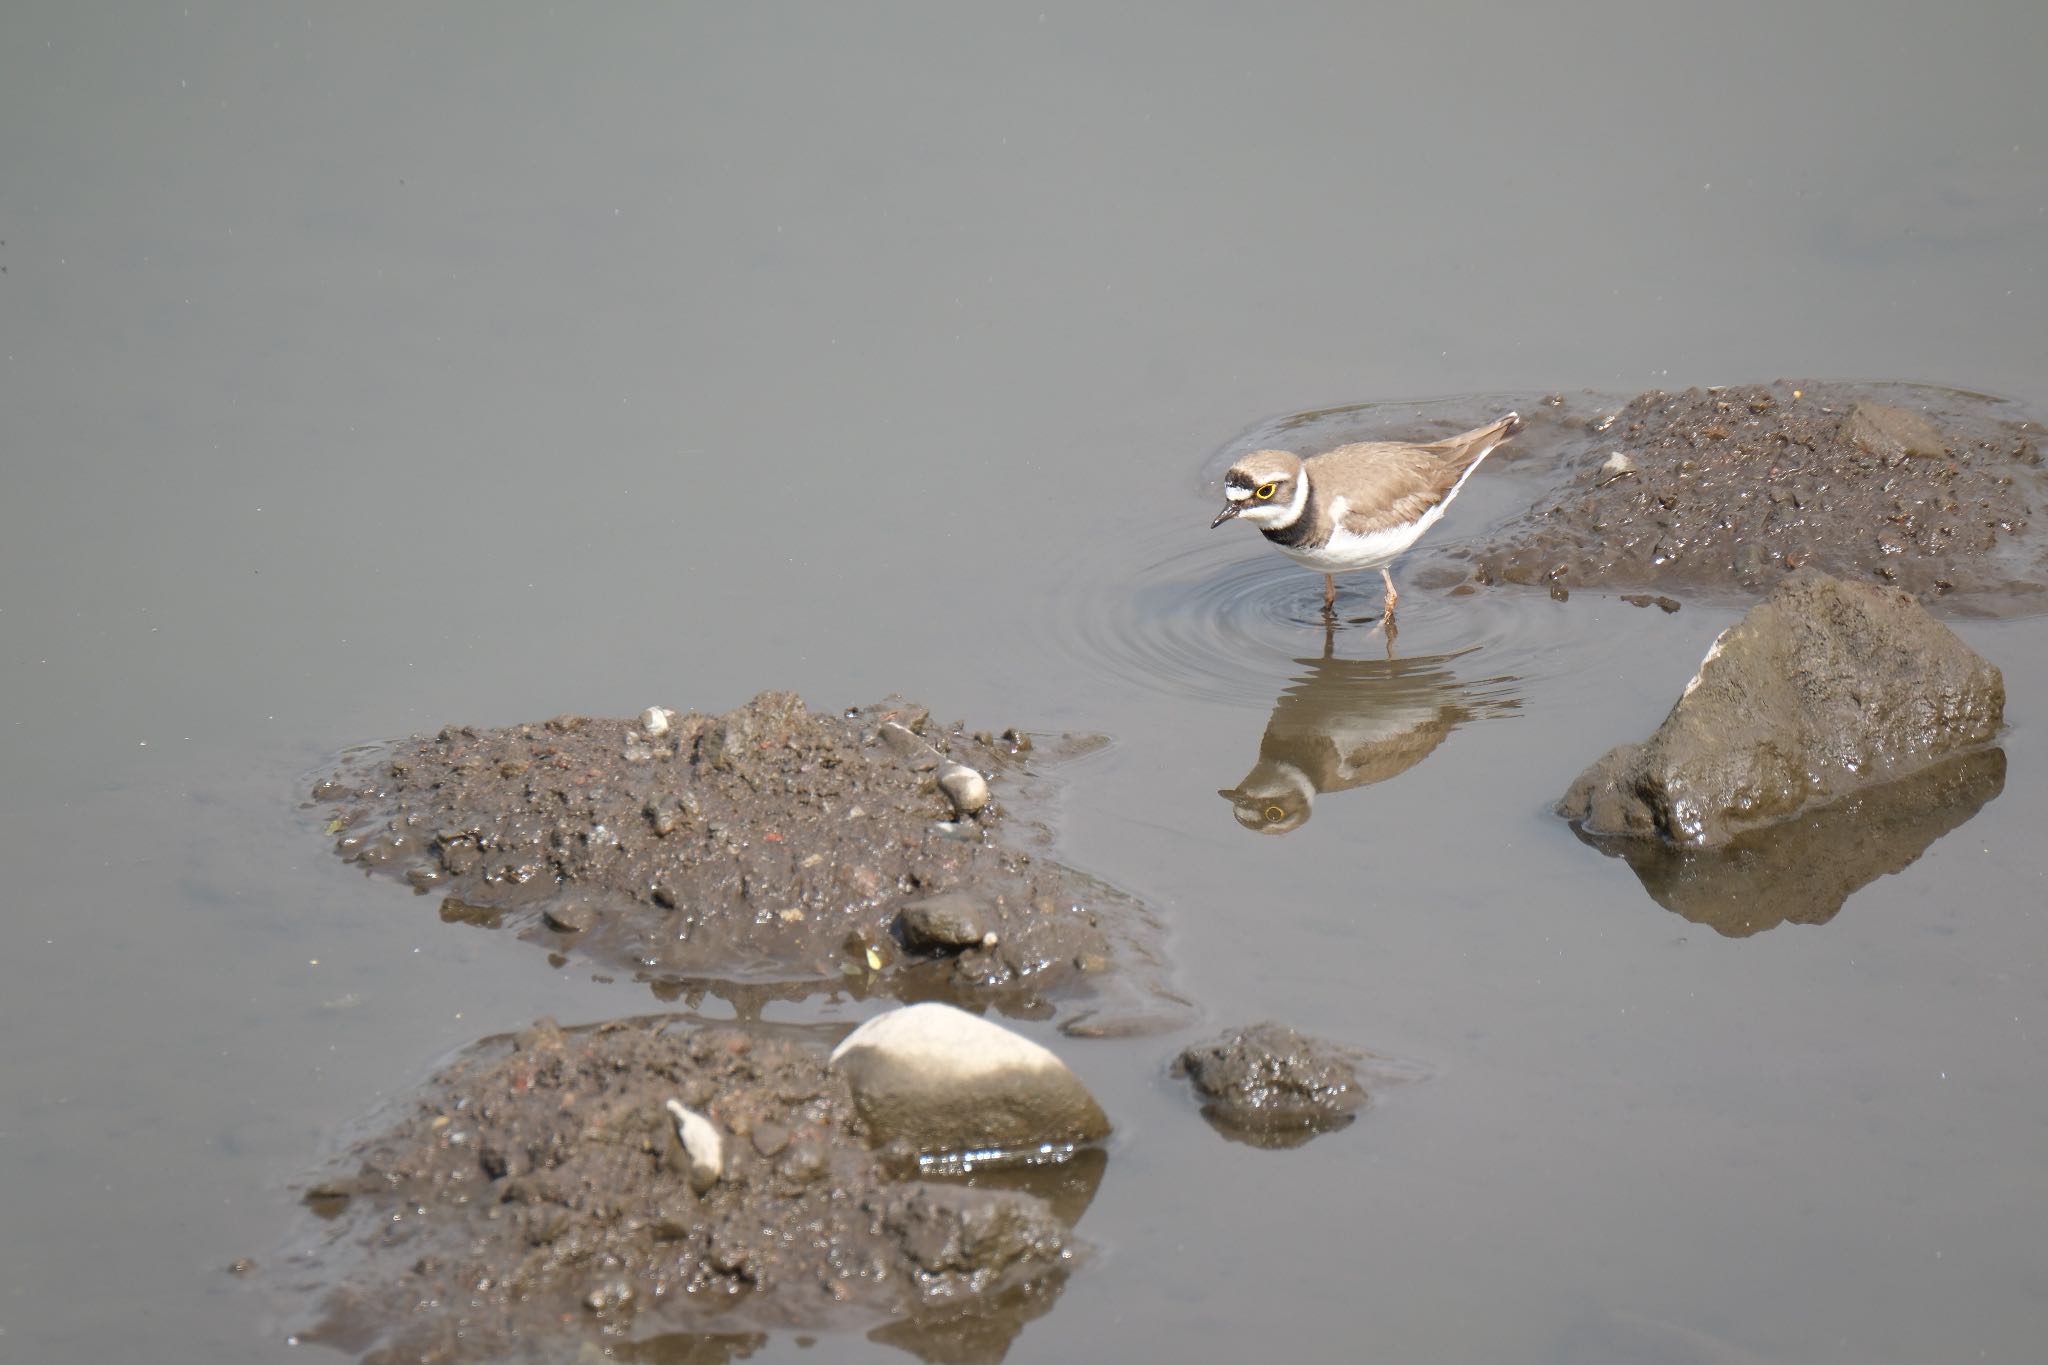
1726	490
536	1194
770	852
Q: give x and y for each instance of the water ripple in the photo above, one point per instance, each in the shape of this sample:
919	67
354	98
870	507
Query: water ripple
1229	621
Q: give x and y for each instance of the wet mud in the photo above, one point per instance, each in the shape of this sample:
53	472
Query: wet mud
1725	490
773	852
535	1195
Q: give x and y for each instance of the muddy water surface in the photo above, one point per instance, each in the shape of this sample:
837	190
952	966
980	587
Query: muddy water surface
369	373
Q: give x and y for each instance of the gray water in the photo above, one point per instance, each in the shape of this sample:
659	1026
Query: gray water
370	368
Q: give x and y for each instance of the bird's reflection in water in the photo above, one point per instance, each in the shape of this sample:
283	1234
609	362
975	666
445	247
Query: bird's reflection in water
1352	722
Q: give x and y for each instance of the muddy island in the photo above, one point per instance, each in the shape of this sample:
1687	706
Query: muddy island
769	852
644	1178
1931	490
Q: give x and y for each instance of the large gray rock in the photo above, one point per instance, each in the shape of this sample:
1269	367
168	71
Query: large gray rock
1822	689
951	1083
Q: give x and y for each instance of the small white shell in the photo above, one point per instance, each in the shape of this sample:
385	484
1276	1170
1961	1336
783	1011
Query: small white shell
655	720
702	1143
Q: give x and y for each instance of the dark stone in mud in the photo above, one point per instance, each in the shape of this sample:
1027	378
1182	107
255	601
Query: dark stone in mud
531	1198
1800	871
1931	490
1824	688
758	854
952	920
1269	1086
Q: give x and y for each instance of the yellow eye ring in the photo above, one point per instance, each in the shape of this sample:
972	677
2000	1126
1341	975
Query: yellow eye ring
1275	814
1266	490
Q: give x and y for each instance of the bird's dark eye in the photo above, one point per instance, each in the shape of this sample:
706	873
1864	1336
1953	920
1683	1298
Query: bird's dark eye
1266	490
1274	813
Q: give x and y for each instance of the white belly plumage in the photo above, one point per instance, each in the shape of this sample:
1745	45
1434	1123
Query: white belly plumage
1347	550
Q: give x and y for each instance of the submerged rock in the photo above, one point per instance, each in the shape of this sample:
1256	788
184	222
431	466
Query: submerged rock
1269	1086
1825	688
952	1084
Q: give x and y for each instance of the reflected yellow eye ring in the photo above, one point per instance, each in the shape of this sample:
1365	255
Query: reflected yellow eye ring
1275	814
1266	490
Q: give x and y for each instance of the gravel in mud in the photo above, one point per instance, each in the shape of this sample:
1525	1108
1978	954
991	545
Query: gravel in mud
535	1195
1931	490
769	852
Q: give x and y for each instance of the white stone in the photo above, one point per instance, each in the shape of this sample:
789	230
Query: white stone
655	720
966	788
951	1083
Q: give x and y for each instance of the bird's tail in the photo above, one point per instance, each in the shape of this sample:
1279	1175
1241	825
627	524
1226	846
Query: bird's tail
1478	443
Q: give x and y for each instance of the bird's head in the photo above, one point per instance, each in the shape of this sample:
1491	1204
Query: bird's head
1265	488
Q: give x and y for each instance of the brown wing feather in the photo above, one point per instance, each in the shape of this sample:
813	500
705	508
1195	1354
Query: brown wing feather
1390	483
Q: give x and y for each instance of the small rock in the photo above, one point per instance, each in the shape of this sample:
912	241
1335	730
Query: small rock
949	920
666	819
1270	1086
572	918
1618	466
703	1146
949	1083
770	1138
805	1160
655	720
1891	432
965	788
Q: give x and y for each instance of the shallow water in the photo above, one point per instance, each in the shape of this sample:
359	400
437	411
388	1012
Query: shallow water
367	371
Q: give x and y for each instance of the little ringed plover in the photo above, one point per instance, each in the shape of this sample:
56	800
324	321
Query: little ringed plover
1358	506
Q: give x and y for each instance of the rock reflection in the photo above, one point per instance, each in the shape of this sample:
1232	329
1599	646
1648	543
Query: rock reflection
983	1331
1801	871
1353	722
